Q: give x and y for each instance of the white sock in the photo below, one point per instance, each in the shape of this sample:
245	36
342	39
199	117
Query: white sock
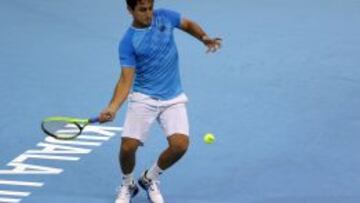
128	179
154	172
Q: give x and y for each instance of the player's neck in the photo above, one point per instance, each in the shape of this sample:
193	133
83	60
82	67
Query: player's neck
138	25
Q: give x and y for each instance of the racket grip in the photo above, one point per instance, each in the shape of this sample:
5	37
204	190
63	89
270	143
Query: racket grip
94	120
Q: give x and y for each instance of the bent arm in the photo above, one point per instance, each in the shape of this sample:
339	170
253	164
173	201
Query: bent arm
194	29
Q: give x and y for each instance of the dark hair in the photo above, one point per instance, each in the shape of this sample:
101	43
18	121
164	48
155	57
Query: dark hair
132	3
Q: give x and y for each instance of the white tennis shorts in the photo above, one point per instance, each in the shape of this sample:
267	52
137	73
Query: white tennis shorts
143	110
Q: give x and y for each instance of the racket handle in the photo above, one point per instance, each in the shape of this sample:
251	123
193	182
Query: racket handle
94	120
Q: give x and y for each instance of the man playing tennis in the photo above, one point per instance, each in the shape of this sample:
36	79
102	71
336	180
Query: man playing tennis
149	67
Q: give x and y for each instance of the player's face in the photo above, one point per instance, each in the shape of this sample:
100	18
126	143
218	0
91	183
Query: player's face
143	13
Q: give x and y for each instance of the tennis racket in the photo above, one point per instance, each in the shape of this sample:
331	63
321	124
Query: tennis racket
65	128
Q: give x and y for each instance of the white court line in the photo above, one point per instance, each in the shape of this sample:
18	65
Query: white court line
14	193
91	137
9	200
21	183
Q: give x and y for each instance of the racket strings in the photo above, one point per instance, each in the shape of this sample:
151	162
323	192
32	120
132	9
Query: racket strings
61	129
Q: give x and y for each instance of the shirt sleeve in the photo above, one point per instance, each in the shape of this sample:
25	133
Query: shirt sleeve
173	16
127	53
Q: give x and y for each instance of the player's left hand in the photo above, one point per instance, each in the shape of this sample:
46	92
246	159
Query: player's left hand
213	44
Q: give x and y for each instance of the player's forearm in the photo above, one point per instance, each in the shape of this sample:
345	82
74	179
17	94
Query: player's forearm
194	29
120	94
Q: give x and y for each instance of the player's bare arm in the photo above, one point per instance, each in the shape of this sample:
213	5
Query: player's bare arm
194	29
120	94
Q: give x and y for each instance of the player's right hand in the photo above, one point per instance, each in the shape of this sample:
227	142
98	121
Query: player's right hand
108	114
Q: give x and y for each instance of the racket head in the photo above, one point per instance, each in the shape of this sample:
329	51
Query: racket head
63	128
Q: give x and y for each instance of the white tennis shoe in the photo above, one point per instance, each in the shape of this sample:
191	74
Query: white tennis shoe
126	192
152	189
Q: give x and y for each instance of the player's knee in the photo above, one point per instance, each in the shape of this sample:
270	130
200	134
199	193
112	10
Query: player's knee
129	145
179	143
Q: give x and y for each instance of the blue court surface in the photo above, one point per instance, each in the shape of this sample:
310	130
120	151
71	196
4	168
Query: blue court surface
282	97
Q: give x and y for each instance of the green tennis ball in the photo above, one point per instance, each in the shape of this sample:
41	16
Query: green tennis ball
209	138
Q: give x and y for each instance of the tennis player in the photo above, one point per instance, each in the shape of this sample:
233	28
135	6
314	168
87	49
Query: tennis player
149	67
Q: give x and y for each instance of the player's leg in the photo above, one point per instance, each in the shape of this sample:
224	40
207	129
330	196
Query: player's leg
139	118
127	158
149	180
127	153
174	122
178	145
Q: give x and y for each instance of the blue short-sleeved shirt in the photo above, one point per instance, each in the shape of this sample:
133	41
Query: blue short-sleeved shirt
152	52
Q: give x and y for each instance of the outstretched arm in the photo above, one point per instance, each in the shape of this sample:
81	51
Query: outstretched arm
196	31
